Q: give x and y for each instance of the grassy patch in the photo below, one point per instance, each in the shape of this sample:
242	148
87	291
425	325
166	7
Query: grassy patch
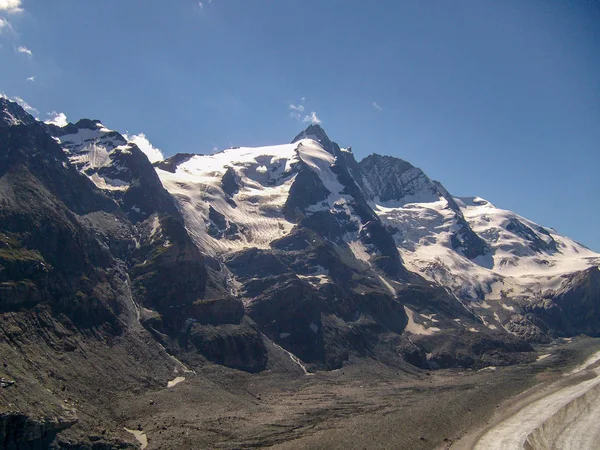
12	251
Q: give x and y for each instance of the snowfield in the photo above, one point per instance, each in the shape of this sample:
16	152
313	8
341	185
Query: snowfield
263	176
523	260
254	213
513	254
512	266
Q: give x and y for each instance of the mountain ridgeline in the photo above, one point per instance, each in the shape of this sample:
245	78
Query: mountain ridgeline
109	264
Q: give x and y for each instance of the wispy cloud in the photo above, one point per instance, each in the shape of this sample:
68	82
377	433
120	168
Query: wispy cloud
31	79
153	153
299	108
5	25
24	50
26	106
297	112
312	118
56	118
376	106
11	6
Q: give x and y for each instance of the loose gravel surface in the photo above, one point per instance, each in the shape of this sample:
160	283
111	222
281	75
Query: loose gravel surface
364	405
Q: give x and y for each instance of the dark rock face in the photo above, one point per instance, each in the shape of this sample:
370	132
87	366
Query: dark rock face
529	328
229	183
170	164
12	114
20	432
464	238
239	346
465	349
574	309
217	218
51	257
313	301
171	274
79	272
219	227
537	244
466	241
145	195
387	258
185	303
392	179
307	190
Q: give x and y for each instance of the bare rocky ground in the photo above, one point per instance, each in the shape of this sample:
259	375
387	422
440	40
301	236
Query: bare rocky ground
363	405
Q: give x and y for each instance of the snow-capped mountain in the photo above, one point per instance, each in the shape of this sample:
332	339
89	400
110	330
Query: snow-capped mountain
115	165
489	257
301	245
494	261
12	114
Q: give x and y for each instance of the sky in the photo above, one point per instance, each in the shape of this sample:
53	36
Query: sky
497	99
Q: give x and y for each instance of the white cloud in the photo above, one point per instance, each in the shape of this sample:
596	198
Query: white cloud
32	79
376	106
26	106
58	119
24	50
312	118
5	25
201	5
11	6
296	110
145	146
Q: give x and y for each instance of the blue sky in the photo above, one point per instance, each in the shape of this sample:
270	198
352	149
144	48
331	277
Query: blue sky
499	99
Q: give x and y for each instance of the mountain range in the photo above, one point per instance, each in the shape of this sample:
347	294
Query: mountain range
111	264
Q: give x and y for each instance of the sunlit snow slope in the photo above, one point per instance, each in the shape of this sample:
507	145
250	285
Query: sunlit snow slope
235	199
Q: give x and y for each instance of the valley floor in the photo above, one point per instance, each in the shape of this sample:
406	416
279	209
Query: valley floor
364	405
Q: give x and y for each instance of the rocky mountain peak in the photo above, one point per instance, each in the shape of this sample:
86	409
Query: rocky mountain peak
317	133
375	159
11	113
313	131
89	124
395	180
